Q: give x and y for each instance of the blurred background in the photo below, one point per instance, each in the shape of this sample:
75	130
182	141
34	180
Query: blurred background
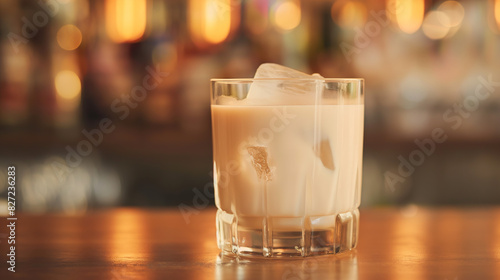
79	141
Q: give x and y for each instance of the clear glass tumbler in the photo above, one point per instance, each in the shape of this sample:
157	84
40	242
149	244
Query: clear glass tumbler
287	165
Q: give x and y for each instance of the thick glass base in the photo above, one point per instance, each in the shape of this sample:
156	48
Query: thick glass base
287	237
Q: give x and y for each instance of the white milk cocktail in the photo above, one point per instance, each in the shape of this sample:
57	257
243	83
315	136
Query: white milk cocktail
287	162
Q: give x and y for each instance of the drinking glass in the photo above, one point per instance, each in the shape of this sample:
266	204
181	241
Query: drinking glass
287	159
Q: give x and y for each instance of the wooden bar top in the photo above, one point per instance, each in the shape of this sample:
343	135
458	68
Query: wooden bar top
121	244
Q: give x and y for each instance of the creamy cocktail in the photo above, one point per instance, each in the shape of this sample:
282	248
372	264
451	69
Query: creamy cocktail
287	163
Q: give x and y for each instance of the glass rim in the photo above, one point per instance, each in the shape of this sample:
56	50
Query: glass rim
235	80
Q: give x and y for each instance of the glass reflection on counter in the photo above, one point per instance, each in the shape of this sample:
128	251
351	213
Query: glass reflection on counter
344	266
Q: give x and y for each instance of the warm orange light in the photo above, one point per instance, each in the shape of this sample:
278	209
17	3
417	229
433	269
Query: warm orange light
497	12
454	11
287	15
409	14
127	225
217	20
68	84
436	25
209	20
496	242
125	19
352	14
402	227
69	37
391	11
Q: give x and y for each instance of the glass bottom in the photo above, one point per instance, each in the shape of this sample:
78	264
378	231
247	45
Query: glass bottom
287	237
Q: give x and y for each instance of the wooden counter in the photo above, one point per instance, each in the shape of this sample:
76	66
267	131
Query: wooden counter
122	244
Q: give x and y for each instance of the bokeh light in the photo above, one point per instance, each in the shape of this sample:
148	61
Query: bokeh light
209	21
217	20
69	37
454	11
68	84
349	14
287	15
125	19
409	14
436	25
497	12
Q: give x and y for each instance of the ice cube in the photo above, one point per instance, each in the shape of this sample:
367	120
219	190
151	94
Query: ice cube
273	70
324	152
291	87
226	100
259	160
